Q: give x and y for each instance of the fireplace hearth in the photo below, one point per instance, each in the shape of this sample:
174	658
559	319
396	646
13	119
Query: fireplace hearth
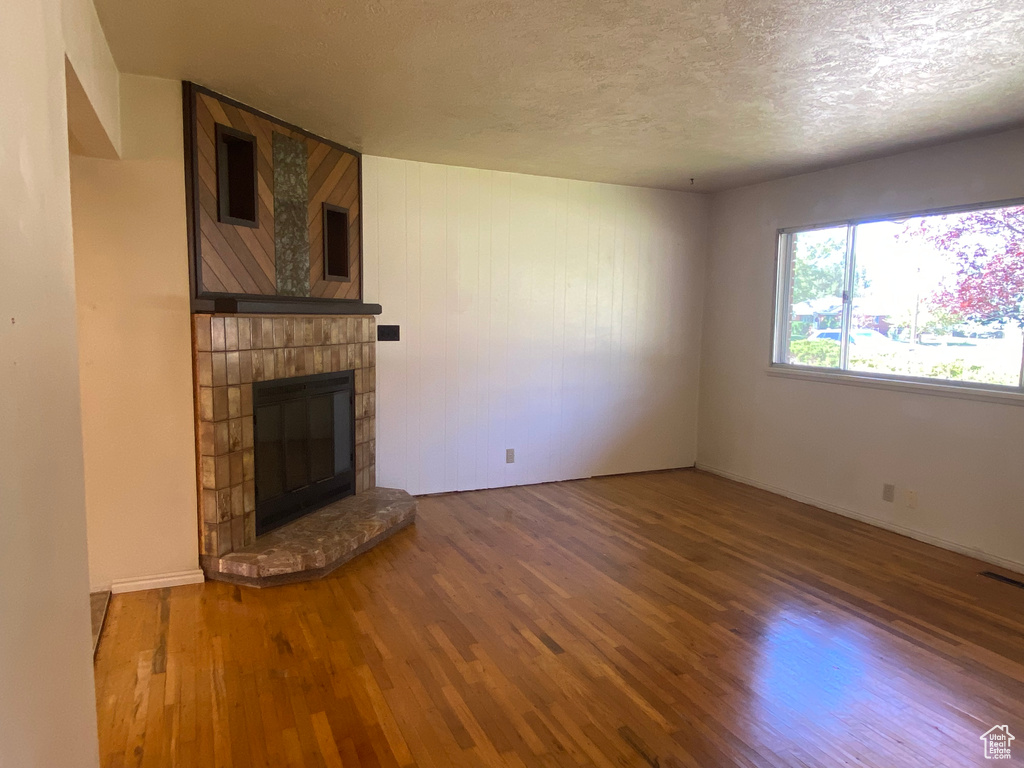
304	445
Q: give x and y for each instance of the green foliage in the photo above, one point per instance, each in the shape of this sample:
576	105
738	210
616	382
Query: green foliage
938	321
824	353
818	268
950	370
817	352
799	330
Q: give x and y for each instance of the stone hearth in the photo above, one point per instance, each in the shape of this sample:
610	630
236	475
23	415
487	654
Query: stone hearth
314	545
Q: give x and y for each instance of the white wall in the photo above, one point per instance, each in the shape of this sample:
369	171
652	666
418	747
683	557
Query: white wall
558	318
47	700
835	445
131	270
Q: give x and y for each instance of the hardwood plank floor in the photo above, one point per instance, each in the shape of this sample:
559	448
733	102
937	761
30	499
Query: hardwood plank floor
665	619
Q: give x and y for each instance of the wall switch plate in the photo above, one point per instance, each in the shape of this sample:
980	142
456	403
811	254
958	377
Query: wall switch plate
510	455
911	499
888	492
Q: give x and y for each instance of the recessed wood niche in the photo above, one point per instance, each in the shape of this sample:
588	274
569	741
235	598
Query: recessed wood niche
275	246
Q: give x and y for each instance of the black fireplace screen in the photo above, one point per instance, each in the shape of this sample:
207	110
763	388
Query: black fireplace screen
304	430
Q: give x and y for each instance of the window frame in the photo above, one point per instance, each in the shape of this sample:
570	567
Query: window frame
223	135
779	343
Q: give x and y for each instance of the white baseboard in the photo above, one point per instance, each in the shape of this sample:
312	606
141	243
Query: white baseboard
159	581
952	546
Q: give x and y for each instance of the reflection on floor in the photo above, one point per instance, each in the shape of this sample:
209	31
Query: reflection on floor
670	619
98	603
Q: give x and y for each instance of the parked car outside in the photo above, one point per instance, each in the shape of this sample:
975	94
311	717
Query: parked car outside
861	337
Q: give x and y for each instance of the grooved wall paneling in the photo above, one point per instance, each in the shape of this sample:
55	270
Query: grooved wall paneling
555	317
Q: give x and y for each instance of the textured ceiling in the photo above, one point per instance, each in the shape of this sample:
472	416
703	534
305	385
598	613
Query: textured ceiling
650	93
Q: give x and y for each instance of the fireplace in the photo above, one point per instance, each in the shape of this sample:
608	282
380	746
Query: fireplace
285	414
239	354
304	435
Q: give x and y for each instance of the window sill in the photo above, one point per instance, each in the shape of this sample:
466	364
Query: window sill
935	389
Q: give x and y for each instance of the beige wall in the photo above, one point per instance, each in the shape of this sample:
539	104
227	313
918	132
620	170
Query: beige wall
93	95
131	270
835	445
47	711
558	318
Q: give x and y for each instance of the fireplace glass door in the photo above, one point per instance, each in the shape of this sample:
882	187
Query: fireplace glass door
304	430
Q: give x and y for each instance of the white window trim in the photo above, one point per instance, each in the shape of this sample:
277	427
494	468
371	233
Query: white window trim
936	387
965	390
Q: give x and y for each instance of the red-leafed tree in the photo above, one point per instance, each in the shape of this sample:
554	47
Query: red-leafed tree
988	250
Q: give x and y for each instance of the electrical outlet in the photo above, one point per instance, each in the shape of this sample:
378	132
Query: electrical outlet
510	455
888	492
911	499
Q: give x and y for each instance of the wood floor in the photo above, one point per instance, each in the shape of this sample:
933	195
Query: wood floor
666	619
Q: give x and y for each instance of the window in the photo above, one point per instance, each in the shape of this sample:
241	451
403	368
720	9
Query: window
933	297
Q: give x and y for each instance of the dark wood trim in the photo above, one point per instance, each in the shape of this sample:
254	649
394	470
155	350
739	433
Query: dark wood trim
362	217
220	131
324	208
232	303
188	102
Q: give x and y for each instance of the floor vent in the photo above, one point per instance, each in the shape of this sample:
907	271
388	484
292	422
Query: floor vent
1004	579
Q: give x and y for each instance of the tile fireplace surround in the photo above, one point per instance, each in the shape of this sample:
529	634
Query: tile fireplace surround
230	352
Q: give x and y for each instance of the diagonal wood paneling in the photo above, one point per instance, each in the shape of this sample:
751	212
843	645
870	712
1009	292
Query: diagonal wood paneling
334	179
234	259
239	259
